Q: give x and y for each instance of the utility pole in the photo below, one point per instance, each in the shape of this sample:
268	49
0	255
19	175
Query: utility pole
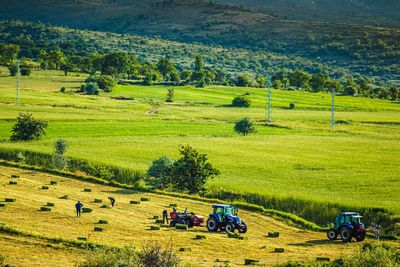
269	100
18	81
333	109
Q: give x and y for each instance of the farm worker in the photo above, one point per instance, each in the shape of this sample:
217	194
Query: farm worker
112	200
164	216
78	207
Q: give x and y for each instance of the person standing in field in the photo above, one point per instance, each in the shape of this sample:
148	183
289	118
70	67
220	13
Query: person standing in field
164	216
112	200
78	207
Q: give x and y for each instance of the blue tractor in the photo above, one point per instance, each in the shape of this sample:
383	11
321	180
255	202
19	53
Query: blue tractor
224	218
347	225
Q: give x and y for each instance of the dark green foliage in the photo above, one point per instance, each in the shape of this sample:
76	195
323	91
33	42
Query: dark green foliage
8	53
170	95
245	126
299	79
28	128
62	89
25	71
59	159
158	172
13	70
243	80
90	89
241	102
292	105
191	172
105	83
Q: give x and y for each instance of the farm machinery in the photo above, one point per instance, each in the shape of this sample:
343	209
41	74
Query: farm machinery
188	218
224	218
347	225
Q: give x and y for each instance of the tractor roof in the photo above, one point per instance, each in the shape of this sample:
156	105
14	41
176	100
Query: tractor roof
221	206
350	213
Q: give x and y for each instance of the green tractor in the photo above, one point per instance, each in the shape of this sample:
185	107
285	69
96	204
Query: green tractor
347	225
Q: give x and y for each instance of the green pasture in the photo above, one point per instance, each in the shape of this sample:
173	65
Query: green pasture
299	156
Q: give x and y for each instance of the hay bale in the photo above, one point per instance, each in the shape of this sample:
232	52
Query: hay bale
156	217
87	210
14	176
250	262
64	197
233	235
153	227
325	259
165	225
181	226
159	221
103	222
45	187
2	205
50	204
173	205
273	234
97	200
13	183
10	200
199	237
87	190
144	199
81	238
185	249
134	202
45	209
53	182
104	207
98	229
279	250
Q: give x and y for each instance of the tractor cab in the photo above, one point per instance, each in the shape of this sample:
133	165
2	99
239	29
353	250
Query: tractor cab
347	225
352	218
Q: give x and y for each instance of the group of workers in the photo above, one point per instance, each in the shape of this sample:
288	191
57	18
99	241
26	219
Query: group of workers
79	206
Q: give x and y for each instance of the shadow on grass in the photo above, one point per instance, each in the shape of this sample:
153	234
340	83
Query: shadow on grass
318	242
122	192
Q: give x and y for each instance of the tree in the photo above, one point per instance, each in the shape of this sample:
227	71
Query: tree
105	83
241	102
245	126
59	160
8	53
394	93
170	95
158	172
299	79
199	63
318	82
119	64
165	66
192	171
242	80
27	128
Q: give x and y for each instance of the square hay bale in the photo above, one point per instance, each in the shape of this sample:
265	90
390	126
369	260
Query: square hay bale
45	209
185	249
53	182
50	204
181	226
273	234
250	262
45	187
324	259
200	237
98	200
98	229
233	235
153	227
87	210
103	222
10	200
104	207
64	197
2	205
159	221
13	183
165	225
87	190
240	237
279	250
156	217
134	202
14	176
144	199
173	205
81	238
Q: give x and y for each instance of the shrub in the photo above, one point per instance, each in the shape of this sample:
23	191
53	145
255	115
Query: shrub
158	172
170	95
292	105
59	160
28	128
374	255
153	254
90	89
13	70
26	71
241	102
126	257
245	126
62	89
104	82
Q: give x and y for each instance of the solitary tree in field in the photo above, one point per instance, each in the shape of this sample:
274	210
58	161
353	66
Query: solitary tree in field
59	160
28	128
170	95
245	126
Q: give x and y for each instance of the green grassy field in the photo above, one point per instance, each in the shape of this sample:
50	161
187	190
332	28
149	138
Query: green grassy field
129	225
356	164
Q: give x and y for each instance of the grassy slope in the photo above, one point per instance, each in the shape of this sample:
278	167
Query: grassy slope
128	224
355	164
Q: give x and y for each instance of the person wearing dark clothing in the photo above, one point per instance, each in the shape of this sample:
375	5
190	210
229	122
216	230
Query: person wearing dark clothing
112	200
78	207
164	216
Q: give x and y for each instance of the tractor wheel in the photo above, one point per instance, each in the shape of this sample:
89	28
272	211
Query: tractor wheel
243	229
346	234
360	236
172	224
230	228
332	234
212	225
